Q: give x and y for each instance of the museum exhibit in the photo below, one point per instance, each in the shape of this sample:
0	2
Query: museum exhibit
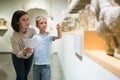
88	47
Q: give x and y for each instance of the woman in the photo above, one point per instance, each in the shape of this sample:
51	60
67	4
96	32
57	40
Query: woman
22	57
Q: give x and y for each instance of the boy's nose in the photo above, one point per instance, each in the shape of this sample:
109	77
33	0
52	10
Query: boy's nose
43	24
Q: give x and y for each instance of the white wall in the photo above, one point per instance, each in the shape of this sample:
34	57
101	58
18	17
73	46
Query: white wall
7	7
74	69
42	4
57	8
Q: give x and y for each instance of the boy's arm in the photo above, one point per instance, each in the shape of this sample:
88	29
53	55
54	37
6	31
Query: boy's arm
59	33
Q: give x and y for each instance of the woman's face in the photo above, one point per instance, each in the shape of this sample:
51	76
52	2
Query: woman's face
23	23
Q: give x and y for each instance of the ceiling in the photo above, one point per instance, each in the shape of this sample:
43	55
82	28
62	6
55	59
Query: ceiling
81	5
117	1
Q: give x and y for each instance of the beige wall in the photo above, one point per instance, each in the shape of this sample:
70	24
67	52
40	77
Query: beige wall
92	41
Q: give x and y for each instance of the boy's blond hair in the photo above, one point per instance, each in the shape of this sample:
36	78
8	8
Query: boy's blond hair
39	18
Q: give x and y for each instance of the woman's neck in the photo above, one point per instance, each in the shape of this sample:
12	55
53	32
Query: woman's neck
21	32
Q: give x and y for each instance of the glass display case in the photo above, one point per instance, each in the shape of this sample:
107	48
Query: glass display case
3	26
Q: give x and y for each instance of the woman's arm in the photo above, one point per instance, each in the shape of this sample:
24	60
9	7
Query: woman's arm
18	52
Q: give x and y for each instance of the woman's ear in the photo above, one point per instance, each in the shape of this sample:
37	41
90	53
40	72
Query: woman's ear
18	23
37	25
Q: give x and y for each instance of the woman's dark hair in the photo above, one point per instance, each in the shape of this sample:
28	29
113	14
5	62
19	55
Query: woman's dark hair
15	19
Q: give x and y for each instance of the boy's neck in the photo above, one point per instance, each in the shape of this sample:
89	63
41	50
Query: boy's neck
43	32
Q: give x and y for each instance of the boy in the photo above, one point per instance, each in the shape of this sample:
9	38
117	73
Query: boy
42	70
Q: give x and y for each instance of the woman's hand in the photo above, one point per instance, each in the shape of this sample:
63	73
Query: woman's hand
27	51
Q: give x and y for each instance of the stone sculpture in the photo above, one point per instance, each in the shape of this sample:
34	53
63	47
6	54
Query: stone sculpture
108	26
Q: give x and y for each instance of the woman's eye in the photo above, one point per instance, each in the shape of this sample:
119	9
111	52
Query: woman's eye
24	19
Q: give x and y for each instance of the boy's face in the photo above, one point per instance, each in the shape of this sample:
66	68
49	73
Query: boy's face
42	24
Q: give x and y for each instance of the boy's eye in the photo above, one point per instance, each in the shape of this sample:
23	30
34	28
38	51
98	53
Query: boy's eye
41	23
